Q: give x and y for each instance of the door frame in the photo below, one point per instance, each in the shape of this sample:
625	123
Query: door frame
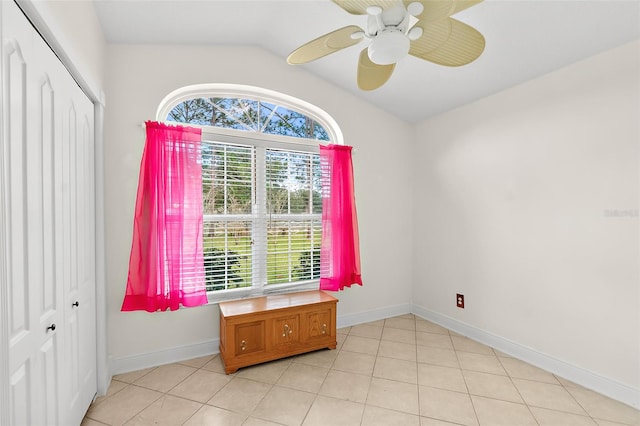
4	314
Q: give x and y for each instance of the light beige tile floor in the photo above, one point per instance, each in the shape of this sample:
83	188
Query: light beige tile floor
399	371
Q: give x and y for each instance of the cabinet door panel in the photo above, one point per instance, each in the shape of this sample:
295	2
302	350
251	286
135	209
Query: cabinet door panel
249	338
319	324
286	330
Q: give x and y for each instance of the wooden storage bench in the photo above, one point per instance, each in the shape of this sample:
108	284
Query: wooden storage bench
265	328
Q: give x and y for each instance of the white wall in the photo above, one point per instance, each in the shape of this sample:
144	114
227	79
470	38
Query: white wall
139	77
515	196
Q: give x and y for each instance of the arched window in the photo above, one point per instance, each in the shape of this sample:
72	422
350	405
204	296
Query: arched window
261	185
247	115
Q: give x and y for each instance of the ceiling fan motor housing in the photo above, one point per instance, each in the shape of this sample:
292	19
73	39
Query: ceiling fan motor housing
388	47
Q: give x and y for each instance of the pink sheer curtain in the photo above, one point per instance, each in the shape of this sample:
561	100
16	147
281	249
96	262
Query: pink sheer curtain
166	267
340	249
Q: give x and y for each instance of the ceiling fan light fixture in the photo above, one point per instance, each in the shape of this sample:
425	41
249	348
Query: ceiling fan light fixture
415	33
415	8
388	47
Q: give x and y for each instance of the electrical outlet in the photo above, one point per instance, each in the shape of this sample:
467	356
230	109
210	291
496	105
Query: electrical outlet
460	300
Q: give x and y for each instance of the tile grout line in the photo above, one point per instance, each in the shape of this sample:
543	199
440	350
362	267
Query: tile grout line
517	390
364	404
415	334
312	402
204	404
142	387
261	399
144	408
473	406
366	397
566	388
511	378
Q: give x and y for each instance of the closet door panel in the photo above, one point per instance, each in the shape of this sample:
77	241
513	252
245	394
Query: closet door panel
80	297
44	89
47	88
17	52
86	251
44	195
75	229
15	177
48	370
72	358
67	121
19	396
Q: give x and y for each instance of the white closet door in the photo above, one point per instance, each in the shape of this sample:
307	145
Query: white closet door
31	346
47	168
78	248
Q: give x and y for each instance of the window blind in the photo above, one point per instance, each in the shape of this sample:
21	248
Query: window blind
227	195
294	208
262	216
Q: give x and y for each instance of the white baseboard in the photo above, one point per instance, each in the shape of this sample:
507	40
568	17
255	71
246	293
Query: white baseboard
165	356
586	378
168	356
369	316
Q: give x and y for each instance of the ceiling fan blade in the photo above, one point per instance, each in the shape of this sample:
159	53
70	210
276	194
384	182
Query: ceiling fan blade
439	9
359	7
370	75
434	35
325	45
464	4
448	42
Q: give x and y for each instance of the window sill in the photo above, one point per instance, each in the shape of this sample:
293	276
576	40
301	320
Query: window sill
244	293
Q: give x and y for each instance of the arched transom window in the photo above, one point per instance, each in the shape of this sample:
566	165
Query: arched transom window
261	185
247	115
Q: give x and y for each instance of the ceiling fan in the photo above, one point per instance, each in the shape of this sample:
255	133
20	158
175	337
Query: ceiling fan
421	28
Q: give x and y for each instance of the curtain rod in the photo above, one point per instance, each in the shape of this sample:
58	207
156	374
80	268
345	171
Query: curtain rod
144	126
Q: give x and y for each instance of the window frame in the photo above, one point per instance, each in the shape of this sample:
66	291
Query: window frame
261	142
211	134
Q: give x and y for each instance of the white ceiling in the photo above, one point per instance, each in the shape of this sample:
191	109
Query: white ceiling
524	39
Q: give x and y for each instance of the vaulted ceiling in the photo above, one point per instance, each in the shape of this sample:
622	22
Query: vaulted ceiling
524	39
